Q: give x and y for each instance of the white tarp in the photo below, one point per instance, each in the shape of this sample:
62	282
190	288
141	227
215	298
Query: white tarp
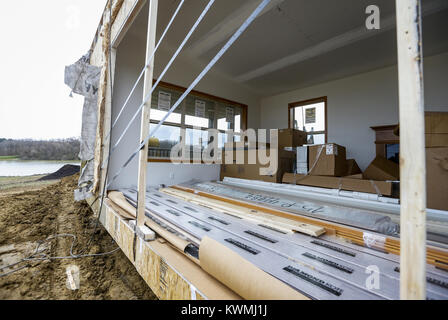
83	79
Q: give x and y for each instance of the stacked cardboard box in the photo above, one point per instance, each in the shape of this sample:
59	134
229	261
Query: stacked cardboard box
436	129
326	166
251	171
291	138
285	159
327	160
383	187
436	134
322	160
382	169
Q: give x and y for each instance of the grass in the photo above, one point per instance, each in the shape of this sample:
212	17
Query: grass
8	157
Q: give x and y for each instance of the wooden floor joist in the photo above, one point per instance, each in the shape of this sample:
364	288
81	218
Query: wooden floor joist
434	256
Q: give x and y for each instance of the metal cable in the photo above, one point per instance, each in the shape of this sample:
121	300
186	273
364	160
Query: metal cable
206	9
148	62
40	256
221	52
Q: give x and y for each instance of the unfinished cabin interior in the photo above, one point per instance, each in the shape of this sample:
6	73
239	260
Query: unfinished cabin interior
317	73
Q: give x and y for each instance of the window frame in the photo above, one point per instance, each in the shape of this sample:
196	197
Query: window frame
199	94
293	105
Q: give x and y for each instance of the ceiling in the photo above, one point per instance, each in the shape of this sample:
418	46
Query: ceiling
293	43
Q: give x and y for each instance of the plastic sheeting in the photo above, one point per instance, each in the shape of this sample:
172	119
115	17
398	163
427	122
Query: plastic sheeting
317	209
83	79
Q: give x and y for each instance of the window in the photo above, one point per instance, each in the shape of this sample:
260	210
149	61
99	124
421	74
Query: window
310	116
197	113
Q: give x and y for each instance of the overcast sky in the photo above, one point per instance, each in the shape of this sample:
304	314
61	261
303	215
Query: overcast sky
38	39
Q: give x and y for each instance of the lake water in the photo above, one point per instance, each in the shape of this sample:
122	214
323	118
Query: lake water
30	167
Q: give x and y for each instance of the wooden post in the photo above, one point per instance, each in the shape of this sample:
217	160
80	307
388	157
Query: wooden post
412	151
143	155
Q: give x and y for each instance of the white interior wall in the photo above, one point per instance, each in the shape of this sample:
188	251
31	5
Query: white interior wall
182	73
129	62
356	103
130	57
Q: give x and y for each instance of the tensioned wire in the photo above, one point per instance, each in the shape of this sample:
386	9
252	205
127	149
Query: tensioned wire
106	160
221	52
193	28
148	62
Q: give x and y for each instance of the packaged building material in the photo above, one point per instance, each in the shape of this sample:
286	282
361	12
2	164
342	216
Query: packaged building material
327	160
354	176
382	169
302	160
436	122
285	161
352	168
369	186
291	138
437	178
436	129
436	140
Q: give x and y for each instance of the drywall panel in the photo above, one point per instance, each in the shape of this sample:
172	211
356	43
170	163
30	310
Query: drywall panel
356	103
129	62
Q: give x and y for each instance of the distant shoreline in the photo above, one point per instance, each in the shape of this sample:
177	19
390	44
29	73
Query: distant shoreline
29	168
8	157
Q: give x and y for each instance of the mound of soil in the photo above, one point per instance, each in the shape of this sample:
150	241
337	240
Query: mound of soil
26	218
66	171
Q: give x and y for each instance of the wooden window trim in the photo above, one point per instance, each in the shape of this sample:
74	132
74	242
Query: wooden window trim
203	95
323	99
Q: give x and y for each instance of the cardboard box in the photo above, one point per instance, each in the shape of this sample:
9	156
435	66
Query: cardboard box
328	162
285	162
436	140
436	122
382	169
436	129
354	176
291	138
352	168
385	188
437	178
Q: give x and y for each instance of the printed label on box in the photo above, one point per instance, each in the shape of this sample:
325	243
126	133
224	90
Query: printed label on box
331	149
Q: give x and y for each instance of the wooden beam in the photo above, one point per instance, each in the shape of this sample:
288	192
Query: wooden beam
256	216
144	132
412	151
124	18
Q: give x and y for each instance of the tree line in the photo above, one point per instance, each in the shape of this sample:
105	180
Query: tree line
28	149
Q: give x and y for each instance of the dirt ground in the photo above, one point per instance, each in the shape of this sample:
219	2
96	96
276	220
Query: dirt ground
10	185
40	211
